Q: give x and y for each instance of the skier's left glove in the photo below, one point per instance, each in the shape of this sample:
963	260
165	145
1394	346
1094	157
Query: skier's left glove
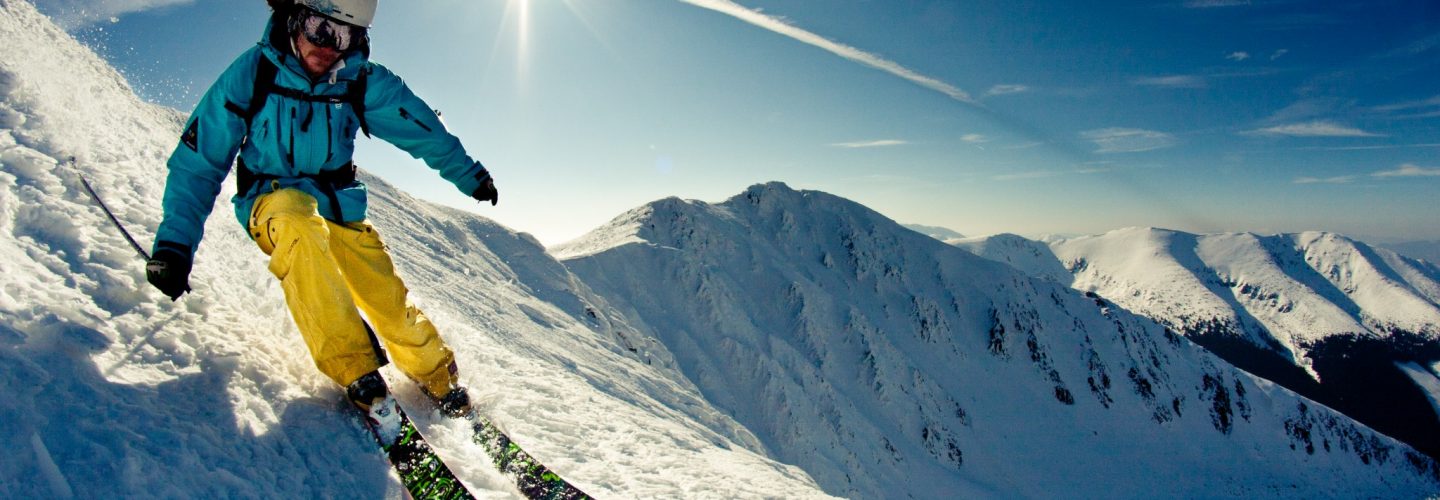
486	191
169	271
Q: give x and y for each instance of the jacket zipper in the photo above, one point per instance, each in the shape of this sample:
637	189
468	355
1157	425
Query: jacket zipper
330	136
292	140
406	115
309	117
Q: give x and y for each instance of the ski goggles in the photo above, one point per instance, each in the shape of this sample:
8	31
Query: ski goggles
326	32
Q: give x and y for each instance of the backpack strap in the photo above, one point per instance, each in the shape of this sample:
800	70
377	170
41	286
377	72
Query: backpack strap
264	83
356	96
265	72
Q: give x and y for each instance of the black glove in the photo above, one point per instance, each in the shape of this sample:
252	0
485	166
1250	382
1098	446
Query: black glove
486	191
169	271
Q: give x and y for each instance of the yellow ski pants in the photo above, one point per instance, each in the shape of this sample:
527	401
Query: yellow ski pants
327	269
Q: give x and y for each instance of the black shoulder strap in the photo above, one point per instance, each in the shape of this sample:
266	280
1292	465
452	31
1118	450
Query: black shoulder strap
356	95
265	73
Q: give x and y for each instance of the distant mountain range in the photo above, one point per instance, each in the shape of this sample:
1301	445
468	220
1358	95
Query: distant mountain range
1425	250
1352	326
939	233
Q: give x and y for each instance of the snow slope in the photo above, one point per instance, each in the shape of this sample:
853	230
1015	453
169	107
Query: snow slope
112	390
890	365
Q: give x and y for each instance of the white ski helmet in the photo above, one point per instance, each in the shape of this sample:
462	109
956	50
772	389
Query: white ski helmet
357	12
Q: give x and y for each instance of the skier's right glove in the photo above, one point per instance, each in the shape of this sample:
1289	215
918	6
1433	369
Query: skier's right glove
169	271
486	191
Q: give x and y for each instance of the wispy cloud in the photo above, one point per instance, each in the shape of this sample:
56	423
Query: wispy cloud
1409	170
1424	44
1238	56
870	144
1034	174
1341	179
1405	170
72	14
1317	128
1279	54
1208	4
1425	108
1172	81
1094	170
1128	140
1433	102
1006	89
975	138
779	26
1026	145
1046	174
1308	109
1372	147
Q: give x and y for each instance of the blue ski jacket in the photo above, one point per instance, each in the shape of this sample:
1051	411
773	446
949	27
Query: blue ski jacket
294	142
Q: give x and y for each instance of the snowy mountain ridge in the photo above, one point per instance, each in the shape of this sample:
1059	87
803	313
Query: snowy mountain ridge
1033	257
967	373
939	233
1320	313
1362	288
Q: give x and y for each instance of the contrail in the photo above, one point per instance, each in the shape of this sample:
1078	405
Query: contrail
1062	146
776	25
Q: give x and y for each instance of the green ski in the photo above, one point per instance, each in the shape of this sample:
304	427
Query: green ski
532	478
422	472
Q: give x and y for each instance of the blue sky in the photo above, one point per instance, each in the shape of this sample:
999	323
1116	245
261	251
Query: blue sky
980	116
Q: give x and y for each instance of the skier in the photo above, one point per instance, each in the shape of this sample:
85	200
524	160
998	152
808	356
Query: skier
290	107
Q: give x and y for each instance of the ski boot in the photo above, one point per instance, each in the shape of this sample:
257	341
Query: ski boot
382	412
455	403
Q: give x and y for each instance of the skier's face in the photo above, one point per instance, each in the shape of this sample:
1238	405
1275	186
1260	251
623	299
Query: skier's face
316	59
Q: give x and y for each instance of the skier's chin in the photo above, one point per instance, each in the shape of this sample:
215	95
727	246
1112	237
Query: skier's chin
318	63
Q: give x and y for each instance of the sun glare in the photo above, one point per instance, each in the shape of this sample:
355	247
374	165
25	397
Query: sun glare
520	9
518	30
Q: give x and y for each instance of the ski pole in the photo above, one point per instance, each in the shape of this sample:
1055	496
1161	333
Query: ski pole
108	213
